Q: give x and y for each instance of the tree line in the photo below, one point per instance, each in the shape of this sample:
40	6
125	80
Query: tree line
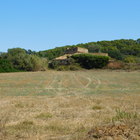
17	59
124	49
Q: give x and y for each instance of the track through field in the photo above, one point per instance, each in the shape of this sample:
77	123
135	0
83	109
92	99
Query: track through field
74	82
69	83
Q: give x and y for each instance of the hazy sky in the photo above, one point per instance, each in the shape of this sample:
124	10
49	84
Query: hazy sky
45	24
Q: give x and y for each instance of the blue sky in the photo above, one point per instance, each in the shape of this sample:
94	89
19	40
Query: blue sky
44	24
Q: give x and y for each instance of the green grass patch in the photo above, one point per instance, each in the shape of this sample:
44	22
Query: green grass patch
96	107
44	116
124	116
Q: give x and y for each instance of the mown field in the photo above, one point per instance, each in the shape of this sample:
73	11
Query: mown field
80	105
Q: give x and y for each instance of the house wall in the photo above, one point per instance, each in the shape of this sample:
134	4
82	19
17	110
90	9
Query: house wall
76	50
82	50
71	50
101	54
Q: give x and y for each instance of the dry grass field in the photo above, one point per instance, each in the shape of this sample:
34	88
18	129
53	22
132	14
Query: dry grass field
80	105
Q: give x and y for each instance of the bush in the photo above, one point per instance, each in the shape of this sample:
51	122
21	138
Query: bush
132	59
72	67
18	59
36	63
115	54
90	61
115	65
55	64
131	66
6	66
112	52
124	116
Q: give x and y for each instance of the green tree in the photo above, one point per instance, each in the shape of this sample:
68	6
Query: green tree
138	41
6	66
25	62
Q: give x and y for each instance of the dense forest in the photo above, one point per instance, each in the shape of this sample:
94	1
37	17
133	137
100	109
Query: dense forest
17	59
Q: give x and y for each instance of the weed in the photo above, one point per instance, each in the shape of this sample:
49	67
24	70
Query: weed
25	125
22	105
81	129
58	128
3	122
19	105
96	107
123	115
44	116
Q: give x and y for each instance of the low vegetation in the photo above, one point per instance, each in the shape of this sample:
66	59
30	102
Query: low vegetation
44	116
73	105
74	117
124	116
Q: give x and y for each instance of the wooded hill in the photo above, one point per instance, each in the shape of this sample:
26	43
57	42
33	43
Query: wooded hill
124	50
18	59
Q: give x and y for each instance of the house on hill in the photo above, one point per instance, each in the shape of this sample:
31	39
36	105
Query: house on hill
74	50
64	60
71	51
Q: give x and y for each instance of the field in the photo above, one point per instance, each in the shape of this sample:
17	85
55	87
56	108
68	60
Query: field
80	105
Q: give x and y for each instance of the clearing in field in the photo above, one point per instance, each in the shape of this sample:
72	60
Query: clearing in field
81	105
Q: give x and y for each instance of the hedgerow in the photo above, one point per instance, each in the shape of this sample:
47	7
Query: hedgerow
90	61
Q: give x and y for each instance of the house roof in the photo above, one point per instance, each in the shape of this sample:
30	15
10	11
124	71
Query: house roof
79	51
63	57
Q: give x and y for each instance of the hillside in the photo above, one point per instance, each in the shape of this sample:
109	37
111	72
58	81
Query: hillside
118	49
17	59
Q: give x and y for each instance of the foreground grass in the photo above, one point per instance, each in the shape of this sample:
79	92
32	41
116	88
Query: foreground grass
70	105
67	117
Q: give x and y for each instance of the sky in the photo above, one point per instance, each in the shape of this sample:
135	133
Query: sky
46	24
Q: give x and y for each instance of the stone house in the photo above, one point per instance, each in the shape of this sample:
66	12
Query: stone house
74	50
64	60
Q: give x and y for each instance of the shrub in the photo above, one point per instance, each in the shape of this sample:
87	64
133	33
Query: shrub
36	63
90	61
115	54
131	66
115	65
96	107
124	116
72	67
112	52
18	59
44	116
62	68
56	64
25	125
6	66
132	59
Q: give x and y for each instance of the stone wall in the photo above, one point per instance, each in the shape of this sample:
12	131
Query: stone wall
101	54
76	50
